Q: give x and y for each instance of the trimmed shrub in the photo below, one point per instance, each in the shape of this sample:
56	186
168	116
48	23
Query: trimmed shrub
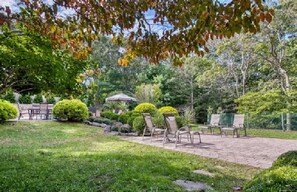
7	111
110	115
25	99
9	96
106	114
133	115
288	158
282	176
138	124
51	100
168	109
158	119
146	108
179	121
274	179
71	110
38	99
123	118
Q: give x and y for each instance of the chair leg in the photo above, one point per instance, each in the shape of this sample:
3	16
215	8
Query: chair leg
164	138
143	133
152	134
176	139
199	137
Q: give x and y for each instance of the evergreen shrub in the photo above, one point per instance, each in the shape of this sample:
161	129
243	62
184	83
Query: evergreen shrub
9	96
138	124
7	111
71	110
38	99
25	99
282	176
146	108
168	109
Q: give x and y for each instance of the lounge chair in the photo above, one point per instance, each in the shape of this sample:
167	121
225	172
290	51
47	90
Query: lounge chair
150	127
23	109
214	123
238	124
173	130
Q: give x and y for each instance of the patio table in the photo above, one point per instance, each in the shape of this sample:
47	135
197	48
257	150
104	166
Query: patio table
32	112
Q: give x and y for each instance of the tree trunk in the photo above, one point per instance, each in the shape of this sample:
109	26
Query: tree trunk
286	85
192	95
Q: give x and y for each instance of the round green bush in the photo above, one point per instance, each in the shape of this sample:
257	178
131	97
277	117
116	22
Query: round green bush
158	120
288	158
25	99
123	118
106	114
38	99
71	110
138	124
110	115
179	121
146	108
168	109
133	115
7	111
282	176
274	179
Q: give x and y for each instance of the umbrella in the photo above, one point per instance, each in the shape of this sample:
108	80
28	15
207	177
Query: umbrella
120	97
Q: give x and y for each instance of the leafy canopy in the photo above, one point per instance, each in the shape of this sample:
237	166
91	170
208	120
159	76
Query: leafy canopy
154	29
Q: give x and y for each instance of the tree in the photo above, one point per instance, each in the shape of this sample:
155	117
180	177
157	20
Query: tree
29	64
236	54
273	49
154	29
150	93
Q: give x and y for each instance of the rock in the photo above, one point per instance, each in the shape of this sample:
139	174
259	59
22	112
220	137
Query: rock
117	124
127	126
204	173
114	133
192	186
96	124
236	188
107	128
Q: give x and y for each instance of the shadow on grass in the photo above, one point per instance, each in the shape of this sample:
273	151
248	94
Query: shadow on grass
49	160
116	171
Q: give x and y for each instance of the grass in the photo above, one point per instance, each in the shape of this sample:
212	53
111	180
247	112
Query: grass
271	133
52	156
265	133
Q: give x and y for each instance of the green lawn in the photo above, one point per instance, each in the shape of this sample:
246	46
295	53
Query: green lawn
52	156
266	133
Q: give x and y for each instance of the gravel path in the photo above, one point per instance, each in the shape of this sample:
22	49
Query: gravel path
253	151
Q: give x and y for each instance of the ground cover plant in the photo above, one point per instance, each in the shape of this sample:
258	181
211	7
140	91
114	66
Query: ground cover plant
282	176
53	156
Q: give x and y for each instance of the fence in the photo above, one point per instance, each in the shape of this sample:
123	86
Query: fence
278	121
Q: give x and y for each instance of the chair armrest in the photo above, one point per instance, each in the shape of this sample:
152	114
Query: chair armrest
185	128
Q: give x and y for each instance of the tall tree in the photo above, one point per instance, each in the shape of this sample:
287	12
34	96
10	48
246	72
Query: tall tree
29	64
274	46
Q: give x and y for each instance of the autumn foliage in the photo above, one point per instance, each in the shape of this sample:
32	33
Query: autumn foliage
153	29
